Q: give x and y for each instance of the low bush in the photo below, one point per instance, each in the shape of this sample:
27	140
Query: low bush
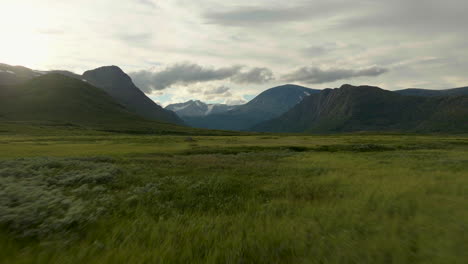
43	196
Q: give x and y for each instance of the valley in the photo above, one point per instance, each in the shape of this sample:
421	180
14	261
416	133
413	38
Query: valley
233	132
93	171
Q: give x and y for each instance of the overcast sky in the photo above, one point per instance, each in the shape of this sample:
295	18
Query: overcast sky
228	51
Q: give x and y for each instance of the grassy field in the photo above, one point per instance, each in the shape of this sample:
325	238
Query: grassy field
96	197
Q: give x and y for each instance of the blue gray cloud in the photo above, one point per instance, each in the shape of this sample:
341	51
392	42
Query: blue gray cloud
189	73
314	75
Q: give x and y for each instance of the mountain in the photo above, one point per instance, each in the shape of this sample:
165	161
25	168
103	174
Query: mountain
431	93
111	79
119	85
198	108
367	108
61	100
269	104
57	98
10	75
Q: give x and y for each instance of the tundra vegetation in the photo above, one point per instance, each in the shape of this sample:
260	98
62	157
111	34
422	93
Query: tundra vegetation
96	197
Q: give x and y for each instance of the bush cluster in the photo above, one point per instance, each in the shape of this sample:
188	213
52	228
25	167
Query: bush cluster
43	196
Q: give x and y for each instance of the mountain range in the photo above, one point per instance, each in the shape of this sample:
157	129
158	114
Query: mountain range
106	98
366	108
268	104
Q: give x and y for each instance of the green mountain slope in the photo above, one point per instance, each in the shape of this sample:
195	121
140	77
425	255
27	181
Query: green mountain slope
367	108
60	99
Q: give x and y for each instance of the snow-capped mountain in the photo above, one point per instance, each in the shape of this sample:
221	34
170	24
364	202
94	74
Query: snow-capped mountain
198	108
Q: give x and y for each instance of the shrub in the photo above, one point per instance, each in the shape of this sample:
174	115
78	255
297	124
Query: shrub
42	196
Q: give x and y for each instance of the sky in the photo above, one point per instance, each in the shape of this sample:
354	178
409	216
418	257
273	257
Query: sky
229	51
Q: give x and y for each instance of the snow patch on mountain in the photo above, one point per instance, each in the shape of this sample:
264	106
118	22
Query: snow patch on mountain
210	109
8	71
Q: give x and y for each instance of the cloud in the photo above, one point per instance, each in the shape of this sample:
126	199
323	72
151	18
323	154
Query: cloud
216	93
248	15
217	90
323	49
190	73
421	16
135	38
213	91
148	3
181	73
235	101
316	50
314	75
255	75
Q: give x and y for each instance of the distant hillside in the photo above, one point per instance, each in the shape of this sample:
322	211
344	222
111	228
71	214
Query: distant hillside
120	86
367	108
198	108
55	98
10	75
269	104
431	93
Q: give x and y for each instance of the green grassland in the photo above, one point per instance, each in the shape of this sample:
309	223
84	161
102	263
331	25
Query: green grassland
71	196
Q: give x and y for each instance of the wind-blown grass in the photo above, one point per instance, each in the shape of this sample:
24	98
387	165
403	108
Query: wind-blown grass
43	196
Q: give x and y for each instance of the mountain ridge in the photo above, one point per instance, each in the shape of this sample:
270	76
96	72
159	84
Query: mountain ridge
368	108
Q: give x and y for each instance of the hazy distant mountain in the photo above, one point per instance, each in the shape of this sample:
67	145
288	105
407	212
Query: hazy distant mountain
120	86
430	93
16	74
367	108
198	108
269	104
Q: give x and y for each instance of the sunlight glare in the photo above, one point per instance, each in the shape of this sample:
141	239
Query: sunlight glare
22	42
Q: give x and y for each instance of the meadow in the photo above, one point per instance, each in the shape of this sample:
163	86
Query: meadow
99	197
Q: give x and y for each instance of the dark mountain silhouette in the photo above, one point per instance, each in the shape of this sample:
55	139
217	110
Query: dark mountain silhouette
269	104
367	108
58	98
111	79
120	86
55	99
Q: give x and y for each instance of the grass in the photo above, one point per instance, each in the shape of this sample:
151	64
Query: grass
238	199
